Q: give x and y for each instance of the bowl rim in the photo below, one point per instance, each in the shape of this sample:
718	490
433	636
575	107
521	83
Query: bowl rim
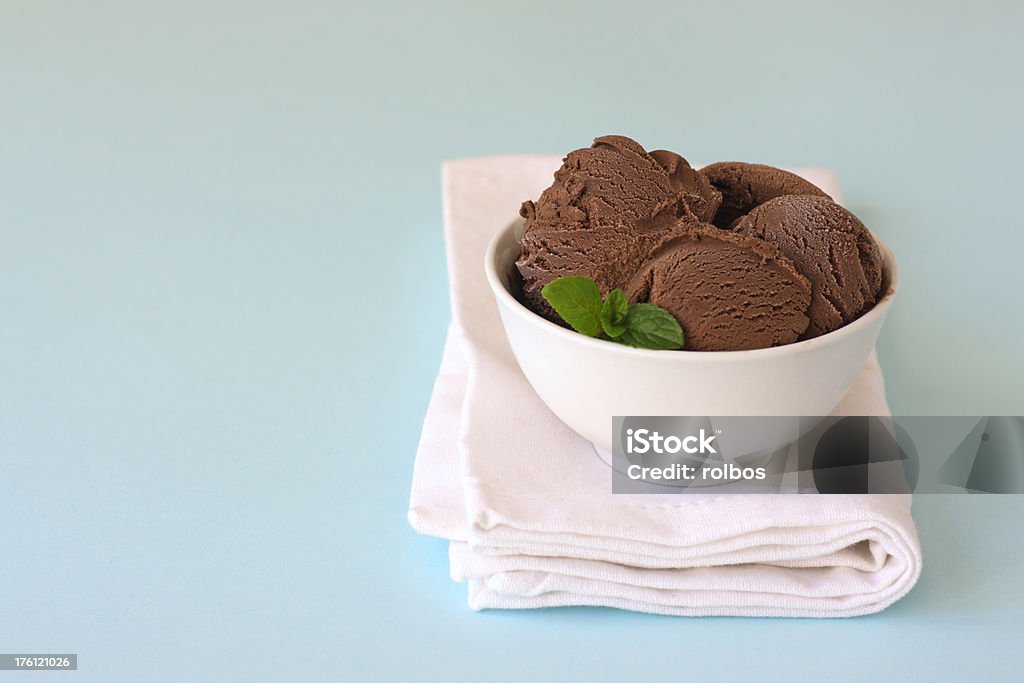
513	305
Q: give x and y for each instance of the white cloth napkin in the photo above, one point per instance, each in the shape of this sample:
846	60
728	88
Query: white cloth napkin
528	507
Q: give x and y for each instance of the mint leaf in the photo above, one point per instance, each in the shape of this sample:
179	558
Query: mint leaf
651	327
613	313
578	301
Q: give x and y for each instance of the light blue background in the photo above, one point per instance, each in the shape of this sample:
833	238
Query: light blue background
222	304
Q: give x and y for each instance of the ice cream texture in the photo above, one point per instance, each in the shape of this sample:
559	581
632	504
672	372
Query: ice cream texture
745	256
608	207
728	292
830	246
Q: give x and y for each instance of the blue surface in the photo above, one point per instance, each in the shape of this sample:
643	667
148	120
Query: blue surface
223	301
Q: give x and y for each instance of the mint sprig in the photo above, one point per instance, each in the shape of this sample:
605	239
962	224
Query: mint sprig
578	301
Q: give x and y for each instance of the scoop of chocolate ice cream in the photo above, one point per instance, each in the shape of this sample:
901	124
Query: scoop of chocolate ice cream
829	246
729	292
745	186
608	206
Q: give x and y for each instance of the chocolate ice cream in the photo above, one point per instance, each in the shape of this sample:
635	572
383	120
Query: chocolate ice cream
608	206
729	292
745	186
830	247
785	263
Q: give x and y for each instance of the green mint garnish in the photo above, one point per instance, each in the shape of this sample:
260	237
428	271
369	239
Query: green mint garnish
578	300
646	326
614	312
651	327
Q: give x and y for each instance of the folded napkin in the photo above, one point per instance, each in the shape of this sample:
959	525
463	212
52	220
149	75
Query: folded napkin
528	506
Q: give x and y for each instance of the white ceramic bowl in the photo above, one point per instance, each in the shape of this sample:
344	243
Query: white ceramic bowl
585	381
